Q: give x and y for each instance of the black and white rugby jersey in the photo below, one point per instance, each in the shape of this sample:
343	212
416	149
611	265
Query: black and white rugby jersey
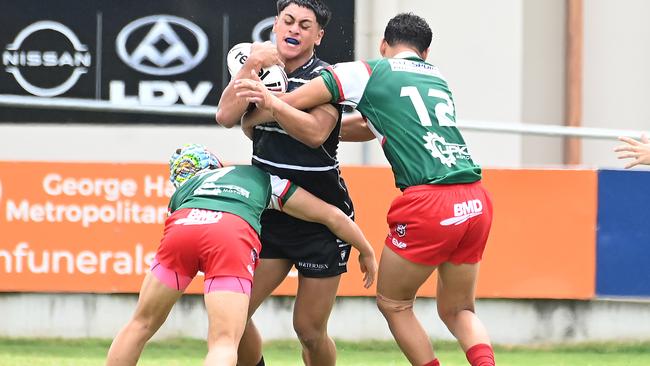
316	170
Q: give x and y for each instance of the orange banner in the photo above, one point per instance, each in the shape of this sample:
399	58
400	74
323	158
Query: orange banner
542	243
84	227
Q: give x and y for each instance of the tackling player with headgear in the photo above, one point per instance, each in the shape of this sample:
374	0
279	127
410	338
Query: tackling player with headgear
214	227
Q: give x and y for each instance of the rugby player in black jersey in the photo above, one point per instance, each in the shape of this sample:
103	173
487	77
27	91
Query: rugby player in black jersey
307	156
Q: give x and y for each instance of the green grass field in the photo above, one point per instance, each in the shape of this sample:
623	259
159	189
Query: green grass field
30	352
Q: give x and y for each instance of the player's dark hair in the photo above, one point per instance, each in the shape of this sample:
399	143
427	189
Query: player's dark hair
323	13
410	29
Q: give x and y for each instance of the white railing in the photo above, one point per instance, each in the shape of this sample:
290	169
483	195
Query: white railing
21	101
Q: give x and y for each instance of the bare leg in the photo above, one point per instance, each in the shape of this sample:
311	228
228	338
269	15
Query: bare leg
314	302
399	280
154	304
455	298
268	275
227	313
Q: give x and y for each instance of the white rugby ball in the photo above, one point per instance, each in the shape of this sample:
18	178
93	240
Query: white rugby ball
273	77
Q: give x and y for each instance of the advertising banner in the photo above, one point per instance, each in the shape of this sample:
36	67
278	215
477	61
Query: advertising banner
136	52
94	227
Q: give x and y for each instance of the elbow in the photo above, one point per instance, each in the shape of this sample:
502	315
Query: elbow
315	141
222	119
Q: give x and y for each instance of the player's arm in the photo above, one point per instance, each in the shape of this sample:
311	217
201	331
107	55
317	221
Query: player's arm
231	108
308	207
311	128
354	128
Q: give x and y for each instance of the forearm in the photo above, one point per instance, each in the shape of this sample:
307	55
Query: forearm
354	128
344	228
311	129
231	107
309	95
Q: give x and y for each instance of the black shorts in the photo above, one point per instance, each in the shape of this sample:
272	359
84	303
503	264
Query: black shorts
315	254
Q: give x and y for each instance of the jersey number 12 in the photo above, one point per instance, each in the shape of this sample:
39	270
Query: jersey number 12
444	109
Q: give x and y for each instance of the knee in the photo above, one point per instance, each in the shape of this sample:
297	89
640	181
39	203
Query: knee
309	335
389	306
145	327
448	314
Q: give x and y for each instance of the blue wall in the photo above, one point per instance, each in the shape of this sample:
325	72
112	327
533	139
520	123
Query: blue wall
623	236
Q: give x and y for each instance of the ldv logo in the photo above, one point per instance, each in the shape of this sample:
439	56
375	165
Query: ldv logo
161	45
464	211
161	51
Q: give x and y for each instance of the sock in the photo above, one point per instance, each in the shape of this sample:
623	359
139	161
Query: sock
435	362
480	355
261	363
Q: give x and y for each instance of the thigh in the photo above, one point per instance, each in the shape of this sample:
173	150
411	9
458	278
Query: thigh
155	300
268	276
456	286
227	314
315	300
399	278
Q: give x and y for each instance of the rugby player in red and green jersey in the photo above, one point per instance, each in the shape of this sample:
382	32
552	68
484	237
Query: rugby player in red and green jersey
443	218
214	227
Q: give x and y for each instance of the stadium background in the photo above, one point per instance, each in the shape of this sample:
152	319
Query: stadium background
568	256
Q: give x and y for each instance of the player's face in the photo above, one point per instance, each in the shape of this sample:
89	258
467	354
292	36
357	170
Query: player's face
297	32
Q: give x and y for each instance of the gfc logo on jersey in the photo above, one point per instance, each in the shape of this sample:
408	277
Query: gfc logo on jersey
444	151
464	211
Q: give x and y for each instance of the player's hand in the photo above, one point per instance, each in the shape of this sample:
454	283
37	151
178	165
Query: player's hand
253	91
637	150
265	54
368	265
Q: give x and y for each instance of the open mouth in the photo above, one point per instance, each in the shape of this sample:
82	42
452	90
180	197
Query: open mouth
292	41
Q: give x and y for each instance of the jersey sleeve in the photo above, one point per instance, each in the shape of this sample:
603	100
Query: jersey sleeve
281	190
347	81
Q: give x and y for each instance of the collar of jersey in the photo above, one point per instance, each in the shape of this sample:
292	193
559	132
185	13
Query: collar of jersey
407	54
304	66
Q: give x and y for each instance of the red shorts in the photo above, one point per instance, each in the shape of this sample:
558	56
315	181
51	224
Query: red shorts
216	243
432	224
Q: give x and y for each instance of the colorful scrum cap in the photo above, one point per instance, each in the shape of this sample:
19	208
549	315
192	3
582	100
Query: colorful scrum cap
188	160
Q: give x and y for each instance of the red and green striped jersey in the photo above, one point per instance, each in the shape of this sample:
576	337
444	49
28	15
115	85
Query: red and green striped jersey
410	109
242	190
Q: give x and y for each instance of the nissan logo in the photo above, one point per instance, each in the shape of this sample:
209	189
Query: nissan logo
161	51
20	57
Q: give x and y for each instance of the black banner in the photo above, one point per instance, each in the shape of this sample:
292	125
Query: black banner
158	53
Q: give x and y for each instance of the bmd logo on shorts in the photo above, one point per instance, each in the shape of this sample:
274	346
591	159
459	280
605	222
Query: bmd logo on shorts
200	217
46	58
464	211
161	50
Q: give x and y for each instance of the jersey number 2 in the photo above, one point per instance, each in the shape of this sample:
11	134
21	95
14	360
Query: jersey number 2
444	109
